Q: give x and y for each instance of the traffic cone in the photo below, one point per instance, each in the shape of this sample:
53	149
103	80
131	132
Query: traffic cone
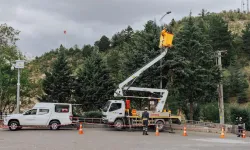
244	134
222	135
80	129
157	131
184	131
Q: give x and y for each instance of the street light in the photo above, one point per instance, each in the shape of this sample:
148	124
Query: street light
161	49
19	64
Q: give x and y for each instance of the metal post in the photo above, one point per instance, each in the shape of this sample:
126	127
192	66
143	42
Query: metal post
162	50
18	91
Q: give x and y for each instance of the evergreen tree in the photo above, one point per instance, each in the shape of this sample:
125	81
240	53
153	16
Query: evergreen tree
94	85
103	43
221	38
192	63
246	40
124	36
58	83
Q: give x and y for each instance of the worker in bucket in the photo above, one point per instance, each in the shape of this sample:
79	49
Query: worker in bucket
240	125
145	118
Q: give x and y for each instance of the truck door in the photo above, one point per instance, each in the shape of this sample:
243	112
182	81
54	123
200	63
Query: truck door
29	117
116	111
42	116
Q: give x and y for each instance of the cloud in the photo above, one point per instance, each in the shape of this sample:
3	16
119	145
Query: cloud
42	22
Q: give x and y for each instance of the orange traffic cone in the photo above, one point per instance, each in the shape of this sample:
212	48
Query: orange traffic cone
222	135
185	131
80	129
244	134
157	131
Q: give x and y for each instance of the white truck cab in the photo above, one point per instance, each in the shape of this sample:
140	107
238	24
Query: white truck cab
53	115
112	110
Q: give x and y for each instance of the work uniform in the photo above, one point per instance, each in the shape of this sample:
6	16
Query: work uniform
145	118
240	125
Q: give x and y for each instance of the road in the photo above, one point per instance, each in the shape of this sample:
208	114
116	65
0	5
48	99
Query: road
104	139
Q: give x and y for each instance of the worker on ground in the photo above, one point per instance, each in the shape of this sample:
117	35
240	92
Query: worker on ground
240	125
145	118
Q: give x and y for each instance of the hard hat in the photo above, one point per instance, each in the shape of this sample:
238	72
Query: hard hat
146	108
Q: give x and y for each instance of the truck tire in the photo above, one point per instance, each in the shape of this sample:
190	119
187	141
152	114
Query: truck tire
54	125
13	125
160	124
118	124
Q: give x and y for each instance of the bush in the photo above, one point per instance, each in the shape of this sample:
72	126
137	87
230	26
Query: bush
210	112
93	114
244	112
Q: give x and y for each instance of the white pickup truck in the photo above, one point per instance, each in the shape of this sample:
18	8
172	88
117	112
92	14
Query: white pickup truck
53	115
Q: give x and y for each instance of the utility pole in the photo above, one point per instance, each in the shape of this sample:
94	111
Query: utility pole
220	89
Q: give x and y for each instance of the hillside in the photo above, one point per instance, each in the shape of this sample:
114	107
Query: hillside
89	75
75	55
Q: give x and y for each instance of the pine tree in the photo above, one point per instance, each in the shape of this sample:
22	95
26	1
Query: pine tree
246	40
94	85
192	63
221	38
103	43
58	83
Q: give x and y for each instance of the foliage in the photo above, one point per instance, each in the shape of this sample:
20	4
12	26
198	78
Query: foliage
94	85
58	83
210	112
192	64
93	114
8	77
246	40
103	44
235	83
244	112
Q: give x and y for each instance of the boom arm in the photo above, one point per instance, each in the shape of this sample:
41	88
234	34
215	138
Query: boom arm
119	91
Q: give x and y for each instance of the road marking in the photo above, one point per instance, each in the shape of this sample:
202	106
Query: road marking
222	141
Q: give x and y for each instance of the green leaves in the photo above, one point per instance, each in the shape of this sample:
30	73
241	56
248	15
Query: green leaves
193	65
94	85
58	82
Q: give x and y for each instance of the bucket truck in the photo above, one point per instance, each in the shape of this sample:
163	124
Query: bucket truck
117	112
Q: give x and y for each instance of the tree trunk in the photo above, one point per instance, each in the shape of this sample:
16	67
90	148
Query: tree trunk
191	112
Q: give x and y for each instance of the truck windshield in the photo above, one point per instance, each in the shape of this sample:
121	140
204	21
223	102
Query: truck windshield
106	106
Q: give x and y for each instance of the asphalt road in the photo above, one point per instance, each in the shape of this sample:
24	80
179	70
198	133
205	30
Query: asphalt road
103	139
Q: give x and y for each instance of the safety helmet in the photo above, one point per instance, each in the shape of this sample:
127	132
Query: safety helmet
146	108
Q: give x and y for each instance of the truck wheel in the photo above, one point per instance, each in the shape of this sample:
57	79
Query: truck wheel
54	125
118	124
13	125
160	124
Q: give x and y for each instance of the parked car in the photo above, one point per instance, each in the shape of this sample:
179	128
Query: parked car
53	115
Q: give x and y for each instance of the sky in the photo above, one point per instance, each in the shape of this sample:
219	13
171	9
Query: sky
42	22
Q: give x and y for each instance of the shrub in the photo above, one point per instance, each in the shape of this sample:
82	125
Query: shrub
244	112
210	112
93	114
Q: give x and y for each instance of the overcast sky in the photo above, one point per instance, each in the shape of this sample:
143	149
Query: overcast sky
42	22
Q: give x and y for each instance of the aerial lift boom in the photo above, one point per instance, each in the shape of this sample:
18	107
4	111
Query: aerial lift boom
166	40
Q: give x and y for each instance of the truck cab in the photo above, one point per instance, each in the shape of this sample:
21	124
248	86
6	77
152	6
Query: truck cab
113	110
